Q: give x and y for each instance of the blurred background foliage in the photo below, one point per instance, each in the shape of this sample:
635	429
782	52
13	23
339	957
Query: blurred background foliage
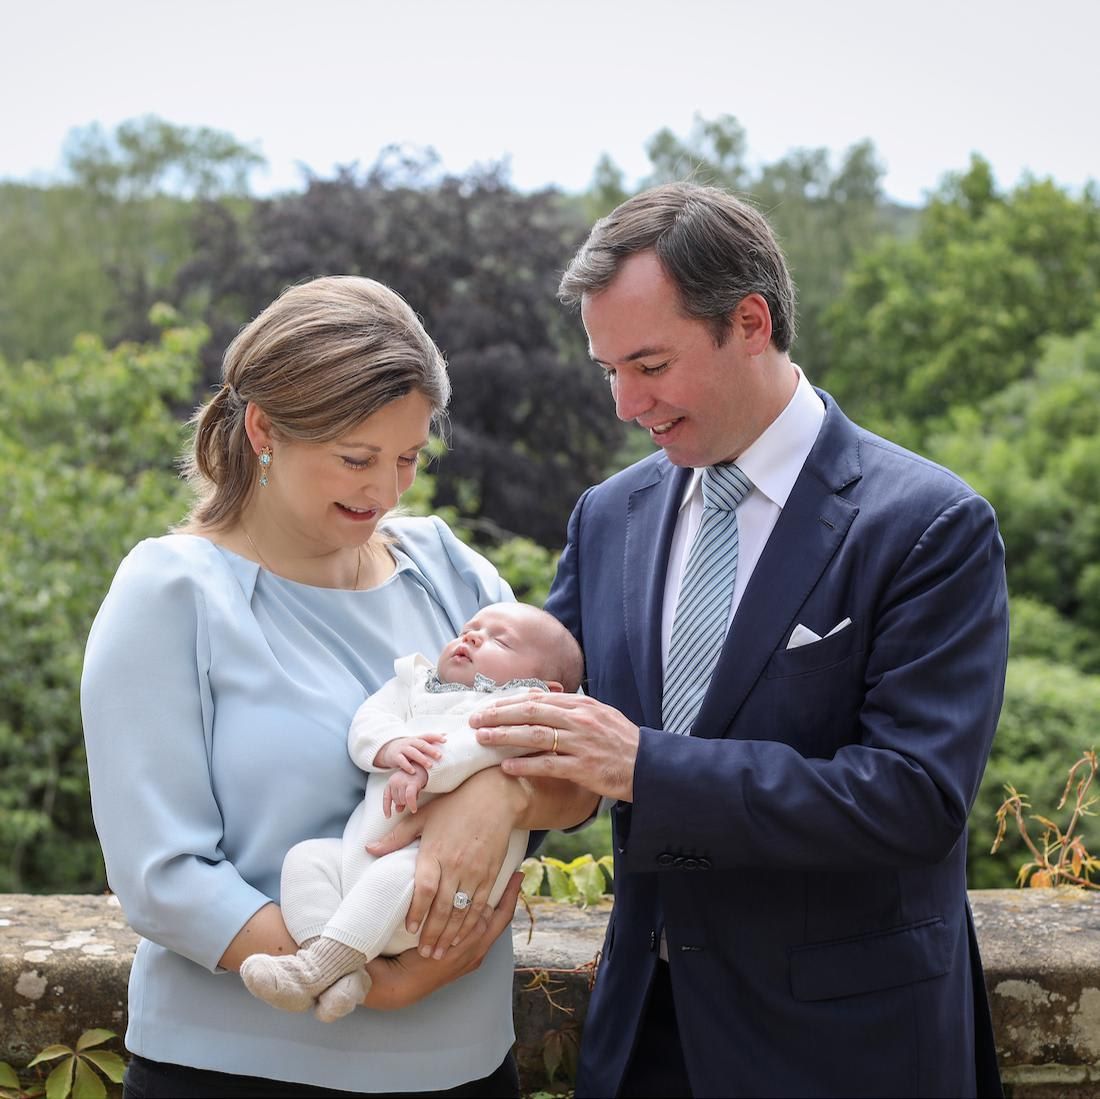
968	329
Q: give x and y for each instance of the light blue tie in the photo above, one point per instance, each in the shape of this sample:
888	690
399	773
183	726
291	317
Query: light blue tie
703	607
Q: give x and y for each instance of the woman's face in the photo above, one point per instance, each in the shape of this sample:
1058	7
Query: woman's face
332	495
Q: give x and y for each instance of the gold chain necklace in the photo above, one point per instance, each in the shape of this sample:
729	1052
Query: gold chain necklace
256	551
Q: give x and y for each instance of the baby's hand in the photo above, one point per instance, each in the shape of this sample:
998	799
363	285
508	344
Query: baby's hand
401	790
410	752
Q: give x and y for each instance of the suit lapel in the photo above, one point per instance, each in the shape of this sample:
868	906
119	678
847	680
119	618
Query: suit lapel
810	529
650	521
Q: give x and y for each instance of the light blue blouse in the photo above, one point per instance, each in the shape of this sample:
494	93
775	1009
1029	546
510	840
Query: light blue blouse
216	700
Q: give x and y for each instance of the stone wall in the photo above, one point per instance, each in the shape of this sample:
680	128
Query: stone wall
64	961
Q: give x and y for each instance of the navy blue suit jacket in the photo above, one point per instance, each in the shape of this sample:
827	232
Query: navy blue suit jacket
804	850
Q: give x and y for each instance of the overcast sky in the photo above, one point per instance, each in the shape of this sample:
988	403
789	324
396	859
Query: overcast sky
552	85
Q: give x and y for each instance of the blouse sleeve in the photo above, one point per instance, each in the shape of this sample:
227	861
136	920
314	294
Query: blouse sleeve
147	710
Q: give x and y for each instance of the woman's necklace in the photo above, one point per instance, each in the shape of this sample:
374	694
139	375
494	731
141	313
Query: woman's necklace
256	551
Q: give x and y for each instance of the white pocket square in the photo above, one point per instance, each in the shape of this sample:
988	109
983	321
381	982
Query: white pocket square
803	635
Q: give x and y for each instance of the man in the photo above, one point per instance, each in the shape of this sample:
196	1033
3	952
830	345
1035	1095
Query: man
795	635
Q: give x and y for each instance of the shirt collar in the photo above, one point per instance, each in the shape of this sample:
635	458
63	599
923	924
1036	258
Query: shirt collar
774	461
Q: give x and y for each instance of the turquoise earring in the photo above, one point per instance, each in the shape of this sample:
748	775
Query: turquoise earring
265	464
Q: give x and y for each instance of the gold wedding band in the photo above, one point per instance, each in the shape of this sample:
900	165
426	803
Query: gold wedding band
554	747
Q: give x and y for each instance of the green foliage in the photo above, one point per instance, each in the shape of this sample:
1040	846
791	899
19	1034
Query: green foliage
594	837
75	1073
92	254
87	469
1051	712
145	157
958	312
1059	855
1047	496
583	880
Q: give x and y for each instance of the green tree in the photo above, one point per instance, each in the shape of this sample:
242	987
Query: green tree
87	456
958	312
1033	450
93	253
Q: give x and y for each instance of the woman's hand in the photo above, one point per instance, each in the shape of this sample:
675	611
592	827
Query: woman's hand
463	840
398	982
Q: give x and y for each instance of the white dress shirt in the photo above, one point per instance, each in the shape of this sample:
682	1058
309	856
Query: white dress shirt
772	464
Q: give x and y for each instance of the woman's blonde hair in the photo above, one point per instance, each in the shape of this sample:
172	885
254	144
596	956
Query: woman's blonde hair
319	360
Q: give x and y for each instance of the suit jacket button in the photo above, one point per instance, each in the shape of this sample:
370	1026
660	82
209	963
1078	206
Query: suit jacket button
665	859
705	863
691	863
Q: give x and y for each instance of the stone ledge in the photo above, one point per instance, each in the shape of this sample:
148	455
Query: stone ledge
64	962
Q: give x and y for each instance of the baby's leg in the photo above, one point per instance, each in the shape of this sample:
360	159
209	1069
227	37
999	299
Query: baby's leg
309	894
329	970
311	889
371	917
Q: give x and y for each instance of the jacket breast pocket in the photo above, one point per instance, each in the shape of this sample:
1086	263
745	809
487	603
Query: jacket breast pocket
870	963
816	656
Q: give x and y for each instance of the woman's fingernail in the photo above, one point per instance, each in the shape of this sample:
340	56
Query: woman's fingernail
414	928
425	952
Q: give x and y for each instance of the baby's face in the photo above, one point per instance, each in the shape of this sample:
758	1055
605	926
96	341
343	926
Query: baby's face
504	641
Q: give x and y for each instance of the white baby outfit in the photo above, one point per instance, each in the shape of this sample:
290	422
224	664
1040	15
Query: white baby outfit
334	887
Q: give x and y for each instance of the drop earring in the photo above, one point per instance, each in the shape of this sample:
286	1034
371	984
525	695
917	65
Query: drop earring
265	465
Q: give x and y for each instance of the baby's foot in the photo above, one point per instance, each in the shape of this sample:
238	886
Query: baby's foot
343	997
282	982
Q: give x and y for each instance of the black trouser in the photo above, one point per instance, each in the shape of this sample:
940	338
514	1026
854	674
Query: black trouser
155	1080
657	1069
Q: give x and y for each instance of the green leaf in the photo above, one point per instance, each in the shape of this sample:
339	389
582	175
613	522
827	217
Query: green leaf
88	1085
561	886
51	1053
608	863
60	1082
589	880
110	1064
581	860
533	874
95	1037
8	1078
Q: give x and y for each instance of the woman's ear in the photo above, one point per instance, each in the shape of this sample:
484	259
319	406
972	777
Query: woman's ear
257	427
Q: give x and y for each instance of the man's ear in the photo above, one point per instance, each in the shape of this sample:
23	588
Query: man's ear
257	427
752	323
555	686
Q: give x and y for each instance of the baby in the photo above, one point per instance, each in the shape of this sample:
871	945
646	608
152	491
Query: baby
344	906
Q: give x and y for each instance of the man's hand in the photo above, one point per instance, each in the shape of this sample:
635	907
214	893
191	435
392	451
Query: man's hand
401	790
410	752
579	739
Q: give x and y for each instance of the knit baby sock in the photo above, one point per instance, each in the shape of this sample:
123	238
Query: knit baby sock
294	982
342	997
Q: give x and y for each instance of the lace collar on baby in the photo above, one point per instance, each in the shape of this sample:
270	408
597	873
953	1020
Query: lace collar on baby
434	685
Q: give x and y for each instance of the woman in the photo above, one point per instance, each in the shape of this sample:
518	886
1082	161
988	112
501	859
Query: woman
220	677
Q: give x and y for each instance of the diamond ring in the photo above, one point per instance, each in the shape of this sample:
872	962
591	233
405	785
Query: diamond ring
462	900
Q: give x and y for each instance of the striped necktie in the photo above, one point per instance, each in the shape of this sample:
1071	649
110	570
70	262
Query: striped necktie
703	606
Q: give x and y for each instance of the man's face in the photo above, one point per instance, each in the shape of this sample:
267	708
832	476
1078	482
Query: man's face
696	400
